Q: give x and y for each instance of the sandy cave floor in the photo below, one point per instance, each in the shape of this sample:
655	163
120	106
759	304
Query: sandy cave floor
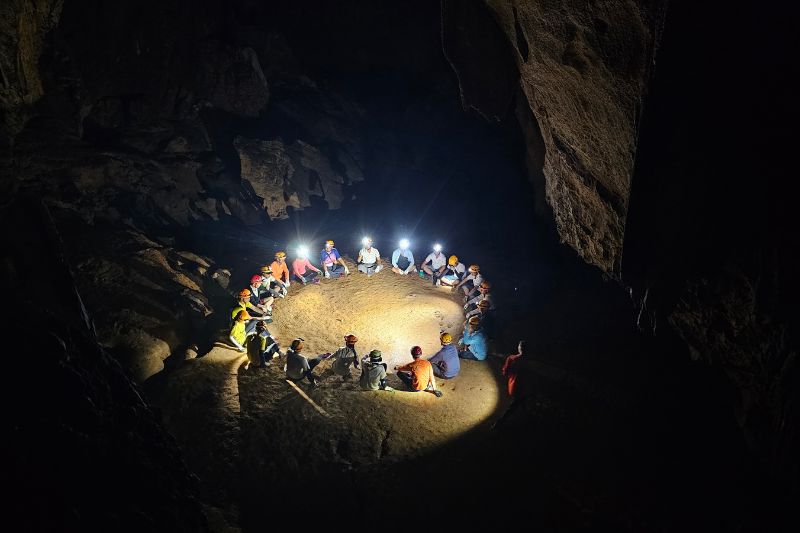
232	420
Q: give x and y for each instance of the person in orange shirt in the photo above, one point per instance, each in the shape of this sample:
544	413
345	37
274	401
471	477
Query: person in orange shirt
280	270
518	372
418	374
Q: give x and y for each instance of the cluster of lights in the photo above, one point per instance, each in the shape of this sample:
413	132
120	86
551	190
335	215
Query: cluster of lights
303	251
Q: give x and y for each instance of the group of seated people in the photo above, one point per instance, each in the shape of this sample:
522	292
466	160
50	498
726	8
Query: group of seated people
253	312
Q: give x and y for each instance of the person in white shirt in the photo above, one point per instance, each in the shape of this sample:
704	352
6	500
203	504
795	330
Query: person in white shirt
434	265
471	282
369	258
403	259
454	272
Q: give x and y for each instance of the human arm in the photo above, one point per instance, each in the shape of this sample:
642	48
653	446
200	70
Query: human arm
236	343
395	258
358	261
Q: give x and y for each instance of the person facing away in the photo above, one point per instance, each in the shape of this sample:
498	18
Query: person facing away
279	268
403	259
373	372
298	367
303	270
261	347
332	263
344	357
446	363
435	264
473	343
418	375
454	272
517	371
369	258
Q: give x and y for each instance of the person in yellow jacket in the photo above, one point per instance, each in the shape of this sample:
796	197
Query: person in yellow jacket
238	335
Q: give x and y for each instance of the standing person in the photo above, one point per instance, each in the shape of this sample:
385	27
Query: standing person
403	259
471	282
332	263
520	381
473	342
435	264
373	372
418	374
280	270
344	357
445	362
298	366
483	294
261	347
302	268
238	334
454	272
369	258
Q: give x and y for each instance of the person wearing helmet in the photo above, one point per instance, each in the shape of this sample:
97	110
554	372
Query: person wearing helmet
373	372
302	268
470	282
418	375
261	347
238	334
332	263
369	258
344	357
280	270
298	366
483	294
445	362
473	343
454	272
403	259
260	298
485	314
434	265
271	284
253	313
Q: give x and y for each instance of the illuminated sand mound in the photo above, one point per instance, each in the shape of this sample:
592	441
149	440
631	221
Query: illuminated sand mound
250	427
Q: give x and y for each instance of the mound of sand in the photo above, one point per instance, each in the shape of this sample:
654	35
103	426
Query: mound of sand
248	431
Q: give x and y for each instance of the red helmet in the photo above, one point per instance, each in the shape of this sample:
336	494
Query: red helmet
255	279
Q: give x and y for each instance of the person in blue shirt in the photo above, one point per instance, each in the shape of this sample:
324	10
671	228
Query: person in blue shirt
332	263
445	362
473	343
403	259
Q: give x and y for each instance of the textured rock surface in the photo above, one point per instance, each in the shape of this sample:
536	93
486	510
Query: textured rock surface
583	71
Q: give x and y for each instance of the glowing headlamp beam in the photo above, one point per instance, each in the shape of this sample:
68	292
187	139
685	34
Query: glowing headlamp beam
404	243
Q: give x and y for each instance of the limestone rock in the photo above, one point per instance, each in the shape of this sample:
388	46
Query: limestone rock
583	72
286	176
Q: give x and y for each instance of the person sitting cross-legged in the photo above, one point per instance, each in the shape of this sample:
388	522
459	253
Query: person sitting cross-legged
238	334
332	263
418	374
344	357
446	363
473	344
403	259
369	258
303	270
373	372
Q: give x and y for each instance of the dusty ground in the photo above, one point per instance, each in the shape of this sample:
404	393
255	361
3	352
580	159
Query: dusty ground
248	434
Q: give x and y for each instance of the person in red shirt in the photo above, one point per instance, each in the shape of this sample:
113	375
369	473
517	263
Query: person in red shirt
302	268
418	374
520	387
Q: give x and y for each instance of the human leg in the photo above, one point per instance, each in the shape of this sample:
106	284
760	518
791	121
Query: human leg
407	379
466	354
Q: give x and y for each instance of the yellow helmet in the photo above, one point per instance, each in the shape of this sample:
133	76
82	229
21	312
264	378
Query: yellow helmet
280	254
453	260
446	338
329	242
266	269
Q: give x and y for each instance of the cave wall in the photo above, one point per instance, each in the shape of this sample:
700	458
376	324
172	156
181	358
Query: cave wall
582	70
